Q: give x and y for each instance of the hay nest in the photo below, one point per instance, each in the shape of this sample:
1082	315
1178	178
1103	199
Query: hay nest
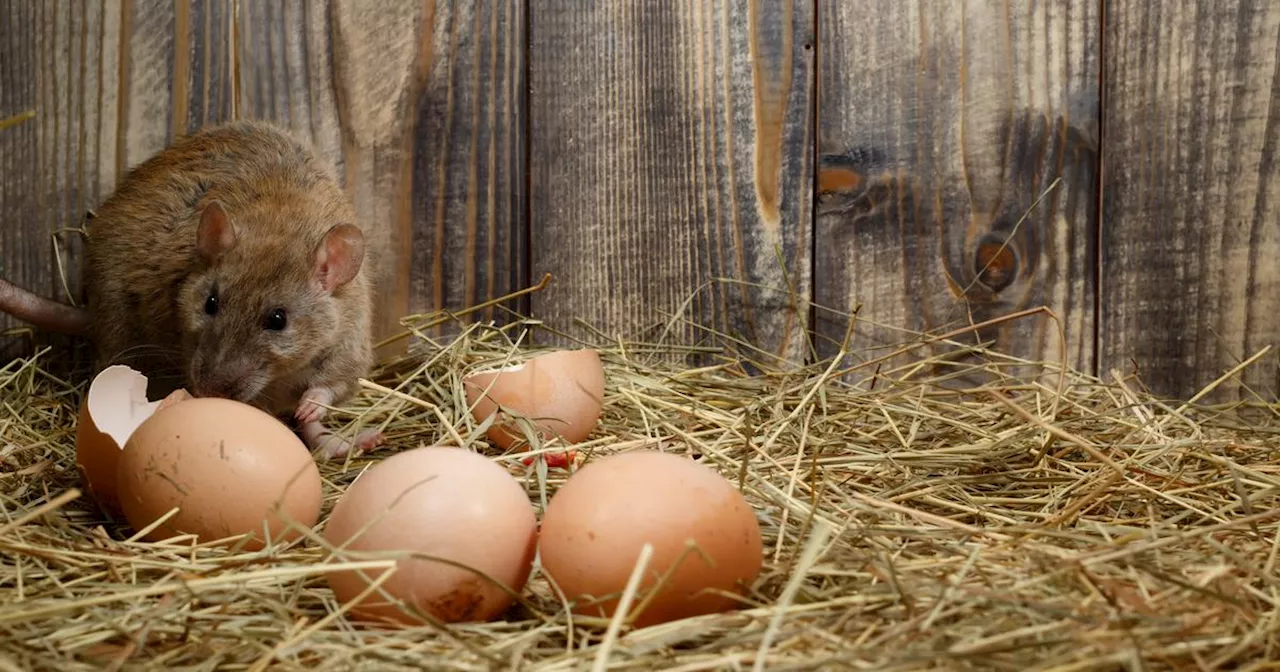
1078	525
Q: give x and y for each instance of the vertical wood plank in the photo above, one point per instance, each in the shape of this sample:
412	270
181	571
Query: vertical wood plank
670	162
1191	234
469	242
283	71
146	119
61	62
957	177
208	25
23	248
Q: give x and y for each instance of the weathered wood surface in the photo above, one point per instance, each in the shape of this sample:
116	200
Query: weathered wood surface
61	61
24	248
673	159
1191	225
957	176
670	162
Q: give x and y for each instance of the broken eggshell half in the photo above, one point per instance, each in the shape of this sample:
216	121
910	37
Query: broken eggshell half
560	393
113	408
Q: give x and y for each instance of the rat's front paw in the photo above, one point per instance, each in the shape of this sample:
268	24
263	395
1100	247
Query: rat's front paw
312	406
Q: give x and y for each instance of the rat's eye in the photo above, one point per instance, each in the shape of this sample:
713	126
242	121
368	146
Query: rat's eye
276	320
211	304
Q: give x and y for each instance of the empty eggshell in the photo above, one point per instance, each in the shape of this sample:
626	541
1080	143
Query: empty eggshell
226	466
113	408
443	502
599	520
560	393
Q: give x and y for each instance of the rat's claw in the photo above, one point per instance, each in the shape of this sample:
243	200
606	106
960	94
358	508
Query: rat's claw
308	412
312	406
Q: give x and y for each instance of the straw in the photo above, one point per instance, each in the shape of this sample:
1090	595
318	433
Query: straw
1055	522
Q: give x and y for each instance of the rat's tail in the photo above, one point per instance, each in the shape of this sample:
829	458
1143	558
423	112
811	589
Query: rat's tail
45	314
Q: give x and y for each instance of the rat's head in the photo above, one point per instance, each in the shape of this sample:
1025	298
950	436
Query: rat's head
266	308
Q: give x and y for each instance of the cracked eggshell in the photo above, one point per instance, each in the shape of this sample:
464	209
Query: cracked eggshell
226	466
443	502
560	392
112	409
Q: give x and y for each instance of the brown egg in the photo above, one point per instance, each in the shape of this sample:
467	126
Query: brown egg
112	409
445	502
227	466
597	523
559	392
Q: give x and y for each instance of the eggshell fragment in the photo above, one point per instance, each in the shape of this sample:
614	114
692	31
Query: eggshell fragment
227	466
599	520
443	502
113	408
560	393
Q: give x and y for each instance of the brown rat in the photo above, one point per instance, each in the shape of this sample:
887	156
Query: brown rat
229	263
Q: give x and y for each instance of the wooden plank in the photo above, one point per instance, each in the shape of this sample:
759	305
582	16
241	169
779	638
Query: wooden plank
419	108
957	177
23	234
670	150
62	63
1191	235
147	36
469	203
282	71
210	73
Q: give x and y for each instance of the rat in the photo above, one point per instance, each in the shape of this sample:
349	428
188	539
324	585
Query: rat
230	263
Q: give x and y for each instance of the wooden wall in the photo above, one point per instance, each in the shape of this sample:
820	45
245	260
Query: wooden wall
757	170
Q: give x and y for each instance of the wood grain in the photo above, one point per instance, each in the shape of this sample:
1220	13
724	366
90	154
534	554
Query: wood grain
58	69
957	174
670	162
1191	235
283	71
957	177
469	204
24	249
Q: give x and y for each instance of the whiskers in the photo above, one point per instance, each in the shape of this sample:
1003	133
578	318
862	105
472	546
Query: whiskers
170	355
162	365
258	391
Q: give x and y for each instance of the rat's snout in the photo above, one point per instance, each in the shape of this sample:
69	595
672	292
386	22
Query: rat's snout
205	384
216	381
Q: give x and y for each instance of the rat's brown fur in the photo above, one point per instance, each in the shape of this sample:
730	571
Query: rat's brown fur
147	280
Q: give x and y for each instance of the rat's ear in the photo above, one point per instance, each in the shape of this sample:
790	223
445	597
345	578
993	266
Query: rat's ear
339	256
215	235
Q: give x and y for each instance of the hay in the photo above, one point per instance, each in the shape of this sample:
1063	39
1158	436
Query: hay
1024	526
